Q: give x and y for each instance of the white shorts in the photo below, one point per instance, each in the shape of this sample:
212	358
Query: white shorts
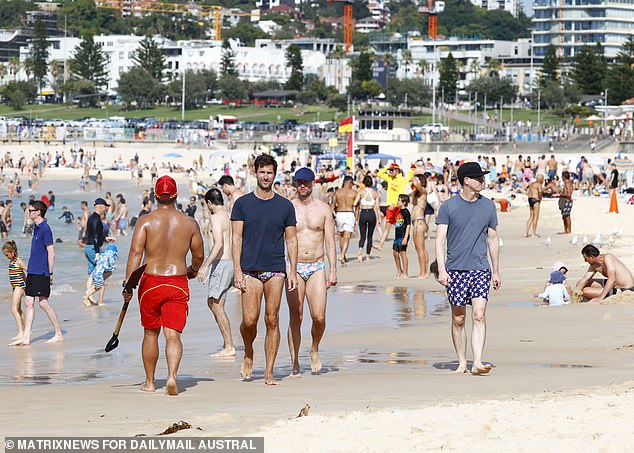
345	221
220	279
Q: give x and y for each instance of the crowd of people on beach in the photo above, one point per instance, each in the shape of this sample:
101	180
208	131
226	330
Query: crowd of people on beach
282	238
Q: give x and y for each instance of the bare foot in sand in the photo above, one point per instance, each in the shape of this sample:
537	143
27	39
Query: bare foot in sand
226	352
461	369
18	336
23	341
342	260
55	339
422	277
296	373
87	303
269	379
171	388
315	363
148	387
247	369
481	369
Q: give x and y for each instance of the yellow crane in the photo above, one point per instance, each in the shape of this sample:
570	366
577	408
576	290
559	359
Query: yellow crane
142	7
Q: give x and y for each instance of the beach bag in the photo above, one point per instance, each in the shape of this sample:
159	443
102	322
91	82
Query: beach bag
432	199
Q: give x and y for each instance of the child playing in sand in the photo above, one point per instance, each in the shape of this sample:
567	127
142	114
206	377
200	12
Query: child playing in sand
16	278
104	267
556	293
401	236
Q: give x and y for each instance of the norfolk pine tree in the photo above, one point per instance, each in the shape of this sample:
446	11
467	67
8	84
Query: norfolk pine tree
295	62
39	53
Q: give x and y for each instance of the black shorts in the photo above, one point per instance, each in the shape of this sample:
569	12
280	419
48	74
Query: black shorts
383	209
38	285
3	227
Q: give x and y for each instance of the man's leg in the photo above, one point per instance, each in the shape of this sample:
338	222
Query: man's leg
295	300
345	242
529	223
29	315
149	353
459	337
386	231
251	300
217	307
173	354
53	318
316	293
536	210
478	335
272	298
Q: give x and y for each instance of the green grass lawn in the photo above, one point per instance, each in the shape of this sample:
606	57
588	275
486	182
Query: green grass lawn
303	114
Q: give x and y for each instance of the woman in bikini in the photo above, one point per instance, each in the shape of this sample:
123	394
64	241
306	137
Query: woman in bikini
419	201
368	213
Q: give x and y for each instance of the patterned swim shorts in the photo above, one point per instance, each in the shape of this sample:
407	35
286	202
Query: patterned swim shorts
263	276
467	285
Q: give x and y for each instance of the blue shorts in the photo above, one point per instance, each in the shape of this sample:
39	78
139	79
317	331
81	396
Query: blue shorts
91	257
122	224
467	285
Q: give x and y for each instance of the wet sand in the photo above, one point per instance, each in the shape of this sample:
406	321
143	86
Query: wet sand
559	378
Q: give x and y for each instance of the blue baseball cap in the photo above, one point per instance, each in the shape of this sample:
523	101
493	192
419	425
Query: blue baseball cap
305	174
114	248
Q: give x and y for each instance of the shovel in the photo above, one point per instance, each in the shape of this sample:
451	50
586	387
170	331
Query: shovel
132	283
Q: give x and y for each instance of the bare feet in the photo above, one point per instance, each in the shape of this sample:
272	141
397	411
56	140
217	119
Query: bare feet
315	363
247	369
56	339
23	341
148	387
269	379
462	368
401	276
342	260
359	259
170	387
481	369
422	276
18	336
296	373
87	303
226	352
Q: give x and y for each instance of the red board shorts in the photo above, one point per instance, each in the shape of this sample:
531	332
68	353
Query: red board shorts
163	301
391	213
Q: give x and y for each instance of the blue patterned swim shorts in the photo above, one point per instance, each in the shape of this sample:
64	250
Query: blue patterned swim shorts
467	285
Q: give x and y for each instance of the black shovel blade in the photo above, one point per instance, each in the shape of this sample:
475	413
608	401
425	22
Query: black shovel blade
113	343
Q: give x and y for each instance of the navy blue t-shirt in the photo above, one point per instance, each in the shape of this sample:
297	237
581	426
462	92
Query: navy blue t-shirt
38	261
263	231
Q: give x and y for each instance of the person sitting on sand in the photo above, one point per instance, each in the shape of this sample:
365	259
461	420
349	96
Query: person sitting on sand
617	275
556	293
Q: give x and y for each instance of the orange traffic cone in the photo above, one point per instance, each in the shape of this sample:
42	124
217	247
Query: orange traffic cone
614	205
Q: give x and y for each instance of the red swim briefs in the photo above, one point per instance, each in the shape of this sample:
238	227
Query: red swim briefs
390	214
163	301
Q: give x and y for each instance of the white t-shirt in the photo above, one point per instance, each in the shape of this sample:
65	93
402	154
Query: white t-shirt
556	294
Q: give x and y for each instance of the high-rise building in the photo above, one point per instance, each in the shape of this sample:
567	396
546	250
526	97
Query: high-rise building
572	24
510	6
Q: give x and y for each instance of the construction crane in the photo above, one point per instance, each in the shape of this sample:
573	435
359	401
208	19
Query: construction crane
347	23
432	10
142	7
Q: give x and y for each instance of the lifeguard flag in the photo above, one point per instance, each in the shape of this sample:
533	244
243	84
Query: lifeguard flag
350	151
346	125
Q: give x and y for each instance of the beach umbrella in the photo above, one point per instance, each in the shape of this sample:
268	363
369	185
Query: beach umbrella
593	118
381	156
172	154
624	164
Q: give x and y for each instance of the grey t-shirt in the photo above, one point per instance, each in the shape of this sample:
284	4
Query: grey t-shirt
467	228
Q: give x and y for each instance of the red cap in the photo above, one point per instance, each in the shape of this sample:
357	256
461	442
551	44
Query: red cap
165	188
394	165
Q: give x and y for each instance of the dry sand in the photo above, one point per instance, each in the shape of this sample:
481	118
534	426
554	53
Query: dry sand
560	382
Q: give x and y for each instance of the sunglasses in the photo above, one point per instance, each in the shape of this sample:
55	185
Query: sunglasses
33	210
479	178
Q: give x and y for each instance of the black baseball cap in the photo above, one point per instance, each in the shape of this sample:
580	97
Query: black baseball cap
470	170
101	201
304	174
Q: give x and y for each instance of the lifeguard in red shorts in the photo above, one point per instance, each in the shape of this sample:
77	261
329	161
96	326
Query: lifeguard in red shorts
163	239
396	185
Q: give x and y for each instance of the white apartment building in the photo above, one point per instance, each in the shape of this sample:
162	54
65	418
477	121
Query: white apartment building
507	5
571	24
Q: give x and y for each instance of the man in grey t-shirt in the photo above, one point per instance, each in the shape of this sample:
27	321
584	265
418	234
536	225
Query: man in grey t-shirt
467	223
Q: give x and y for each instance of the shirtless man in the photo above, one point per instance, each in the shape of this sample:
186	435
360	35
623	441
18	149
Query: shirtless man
229	188
565	202
121	216
315	227
262	222
220	278
535	194
344	215
166	269
618	276
552	167
518	167
82	220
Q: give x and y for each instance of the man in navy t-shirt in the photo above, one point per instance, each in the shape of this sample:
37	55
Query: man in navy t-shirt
39	276
262	222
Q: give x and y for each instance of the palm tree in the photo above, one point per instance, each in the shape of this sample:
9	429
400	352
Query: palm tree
407	59
474	67
57	76
14	67
423	67
3	71
338	53
494	66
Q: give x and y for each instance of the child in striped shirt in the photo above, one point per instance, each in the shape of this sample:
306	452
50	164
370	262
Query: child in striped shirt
16	278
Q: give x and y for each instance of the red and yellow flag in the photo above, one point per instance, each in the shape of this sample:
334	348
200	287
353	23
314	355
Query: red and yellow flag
346	125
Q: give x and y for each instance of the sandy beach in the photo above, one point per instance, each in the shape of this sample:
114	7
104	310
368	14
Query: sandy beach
561	379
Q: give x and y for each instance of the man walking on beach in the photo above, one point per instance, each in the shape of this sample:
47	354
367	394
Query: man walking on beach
617	274
565	202
229	188
315	228
535	194
39	276
261	222
344	215
468	224
94	239
220	278
163	289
